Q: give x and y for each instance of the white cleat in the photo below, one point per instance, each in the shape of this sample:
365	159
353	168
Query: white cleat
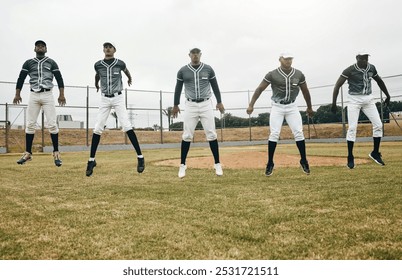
182	170
218	169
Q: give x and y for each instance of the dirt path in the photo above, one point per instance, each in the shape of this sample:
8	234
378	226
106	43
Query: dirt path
258	159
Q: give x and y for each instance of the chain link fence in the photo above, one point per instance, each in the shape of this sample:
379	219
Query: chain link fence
149	112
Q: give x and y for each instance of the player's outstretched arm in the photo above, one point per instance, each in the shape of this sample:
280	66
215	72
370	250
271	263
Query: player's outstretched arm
262	86
17	97
175	111
383	88
130	80
220	107
97	79
61	99
335	93
307	97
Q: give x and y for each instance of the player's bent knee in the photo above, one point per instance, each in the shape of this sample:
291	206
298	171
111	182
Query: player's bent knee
211	136
274	137
299	136
98	131
125	129
187	137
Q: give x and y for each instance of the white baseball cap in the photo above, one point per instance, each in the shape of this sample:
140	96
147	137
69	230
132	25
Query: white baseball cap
286	55
361	53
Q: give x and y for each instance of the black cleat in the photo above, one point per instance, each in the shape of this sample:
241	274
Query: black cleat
57	160
140	165
377	158
90	167
269	170
26	156
305	167
351	162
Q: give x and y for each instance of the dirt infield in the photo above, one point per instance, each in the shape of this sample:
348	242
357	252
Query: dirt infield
258	160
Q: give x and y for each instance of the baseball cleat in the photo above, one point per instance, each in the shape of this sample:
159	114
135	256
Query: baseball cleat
182	170
269	170
90	167
351	162
377	158
141	165
305	167
57	160
25	157
218	169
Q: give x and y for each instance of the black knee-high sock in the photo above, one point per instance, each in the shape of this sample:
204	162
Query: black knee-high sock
28	142
377	141
94	144
301	145
55	141
271	151
350	148
213	145
185	147
133	138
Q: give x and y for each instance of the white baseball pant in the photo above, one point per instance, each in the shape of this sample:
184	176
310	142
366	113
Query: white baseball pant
291	114
38	100
195	112
106	106
367	105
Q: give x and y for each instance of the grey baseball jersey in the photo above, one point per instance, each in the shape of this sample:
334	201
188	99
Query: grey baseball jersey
196	80
41	72
285	87
110	75
359	80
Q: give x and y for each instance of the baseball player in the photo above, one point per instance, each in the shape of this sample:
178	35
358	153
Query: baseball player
360	97
198	78
108	72
41	71
285	82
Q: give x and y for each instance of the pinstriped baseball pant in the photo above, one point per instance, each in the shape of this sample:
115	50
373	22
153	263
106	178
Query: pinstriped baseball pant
44	100
106	106
291	114
195	112
367	105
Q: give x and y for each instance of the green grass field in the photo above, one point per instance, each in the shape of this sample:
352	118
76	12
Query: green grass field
335	213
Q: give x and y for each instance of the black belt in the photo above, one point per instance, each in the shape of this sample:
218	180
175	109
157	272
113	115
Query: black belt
42	90
286	102
197	100
112	95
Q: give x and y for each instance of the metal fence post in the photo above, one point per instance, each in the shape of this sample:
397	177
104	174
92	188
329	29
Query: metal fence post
343	115
249	116
43	130
382	114
125	134
160	114
87	118
7	128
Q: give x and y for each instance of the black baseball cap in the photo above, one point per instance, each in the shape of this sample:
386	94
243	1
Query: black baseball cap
195	50
108	44
40	42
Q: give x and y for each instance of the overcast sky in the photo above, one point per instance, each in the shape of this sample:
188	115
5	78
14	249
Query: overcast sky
240	39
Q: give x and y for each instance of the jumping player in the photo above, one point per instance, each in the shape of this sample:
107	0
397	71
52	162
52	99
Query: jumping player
285	82
41	71
360	97
198	78
108	72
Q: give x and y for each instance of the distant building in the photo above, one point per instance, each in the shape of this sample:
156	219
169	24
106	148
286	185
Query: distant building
66	121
